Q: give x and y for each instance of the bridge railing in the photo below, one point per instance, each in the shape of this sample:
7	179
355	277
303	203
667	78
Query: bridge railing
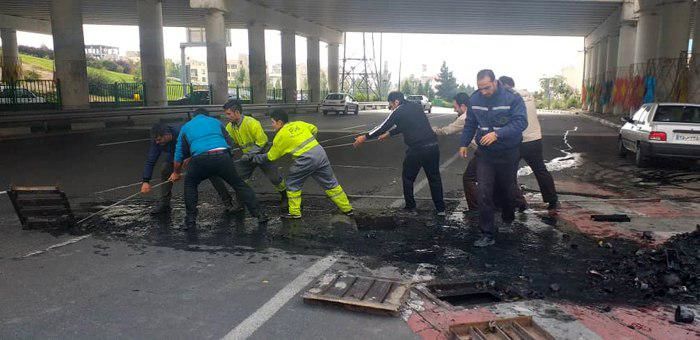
29	94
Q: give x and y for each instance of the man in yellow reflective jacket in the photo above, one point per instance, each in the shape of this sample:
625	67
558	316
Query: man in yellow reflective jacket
249	136
299	140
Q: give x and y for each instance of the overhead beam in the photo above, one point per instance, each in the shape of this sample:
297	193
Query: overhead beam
25	24
275	19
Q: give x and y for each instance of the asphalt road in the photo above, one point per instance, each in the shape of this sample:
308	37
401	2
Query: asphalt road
132	284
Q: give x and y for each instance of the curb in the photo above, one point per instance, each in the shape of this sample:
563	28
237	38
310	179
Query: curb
600	120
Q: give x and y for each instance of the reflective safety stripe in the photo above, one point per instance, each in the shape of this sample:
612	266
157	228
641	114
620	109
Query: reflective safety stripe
480	108
300	149
501	107
496	128
484	129
281	187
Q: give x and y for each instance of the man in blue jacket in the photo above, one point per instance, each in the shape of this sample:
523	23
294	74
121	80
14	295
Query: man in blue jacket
164	140
496	120
207	141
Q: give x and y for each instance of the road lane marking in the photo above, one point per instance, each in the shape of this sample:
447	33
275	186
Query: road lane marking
58	245
125	142
424	182
246	328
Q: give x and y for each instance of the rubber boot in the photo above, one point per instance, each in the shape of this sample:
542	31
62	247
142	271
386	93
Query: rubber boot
338	196
294	199
284	202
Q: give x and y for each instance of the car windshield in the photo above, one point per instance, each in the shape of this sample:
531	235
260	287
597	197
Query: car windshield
335	96
415	97
677	114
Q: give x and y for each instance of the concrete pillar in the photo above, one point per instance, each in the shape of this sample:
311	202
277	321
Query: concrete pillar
313	68
333	67
611	65
674	31
10	55
647	38
216	56
69	51
601	69
289	66
625	53
694	76
256	62
150	13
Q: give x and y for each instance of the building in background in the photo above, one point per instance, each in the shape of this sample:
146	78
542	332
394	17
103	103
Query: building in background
573	75
198	69
133	56
102	52
274	74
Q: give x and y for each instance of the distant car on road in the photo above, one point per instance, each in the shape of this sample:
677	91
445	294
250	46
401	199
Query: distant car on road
423	101
661	130
19	95
193	98
340	103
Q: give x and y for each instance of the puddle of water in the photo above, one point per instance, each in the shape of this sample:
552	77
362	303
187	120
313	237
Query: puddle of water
569	160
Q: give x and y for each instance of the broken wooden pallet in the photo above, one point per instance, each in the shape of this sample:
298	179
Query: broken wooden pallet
359	293
521	327
40	206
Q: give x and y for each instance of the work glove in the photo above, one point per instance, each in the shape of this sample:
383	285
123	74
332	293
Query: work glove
246	157
260	158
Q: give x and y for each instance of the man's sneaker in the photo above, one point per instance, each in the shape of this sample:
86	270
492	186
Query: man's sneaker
553	206
190	222
161	208
291	217
350	213
485	241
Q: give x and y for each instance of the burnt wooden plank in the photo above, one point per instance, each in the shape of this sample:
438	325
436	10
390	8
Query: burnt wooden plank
521	328
359	293
44	211
36	189
341	285
378	291
41	202
360	288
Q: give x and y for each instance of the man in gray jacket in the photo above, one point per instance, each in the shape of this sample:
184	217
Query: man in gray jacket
531	151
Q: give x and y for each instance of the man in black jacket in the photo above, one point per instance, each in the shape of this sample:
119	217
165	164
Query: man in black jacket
409	119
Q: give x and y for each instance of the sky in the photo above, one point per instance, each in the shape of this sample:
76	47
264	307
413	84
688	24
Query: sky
525	58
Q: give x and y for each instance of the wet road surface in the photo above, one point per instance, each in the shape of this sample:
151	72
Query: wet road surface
142	276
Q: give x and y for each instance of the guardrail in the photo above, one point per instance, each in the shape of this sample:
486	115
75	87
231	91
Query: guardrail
87	114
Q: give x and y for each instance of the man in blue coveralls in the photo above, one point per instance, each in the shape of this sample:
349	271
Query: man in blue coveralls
206	139
496	120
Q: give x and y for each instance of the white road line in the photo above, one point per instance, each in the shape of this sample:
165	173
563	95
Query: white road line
3	192
125	142
424	182
353	127
246	328
62	244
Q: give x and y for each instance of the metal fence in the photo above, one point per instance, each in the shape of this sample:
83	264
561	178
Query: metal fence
188	94
117	94
30	94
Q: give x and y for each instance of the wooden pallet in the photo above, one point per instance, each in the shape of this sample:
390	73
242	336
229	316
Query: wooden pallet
521	327
359	293
41	206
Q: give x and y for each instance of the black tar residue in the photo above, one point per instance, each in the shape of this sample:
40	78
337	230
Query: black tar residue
527	261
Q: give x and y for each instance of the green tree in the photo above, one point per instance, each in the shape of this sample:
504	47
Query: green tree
446	83
172	69
468	89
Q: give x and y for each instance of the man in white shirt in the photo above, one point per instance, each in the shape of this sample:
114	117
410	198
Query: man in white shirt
471	193
531	151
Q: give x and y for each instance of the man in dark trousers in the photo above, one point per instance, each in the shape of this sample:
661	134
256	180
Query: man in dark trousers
497	119
164	141
206	139
409	119
531	151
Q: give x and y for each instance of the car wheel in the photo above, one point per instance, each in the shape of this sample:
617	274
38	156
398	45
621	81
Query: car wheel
621	151
357	110
325	113
640	158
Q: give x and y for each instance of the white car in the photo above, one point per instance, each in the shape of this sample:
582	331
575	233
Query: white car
19	95
340	103
661	130
423	101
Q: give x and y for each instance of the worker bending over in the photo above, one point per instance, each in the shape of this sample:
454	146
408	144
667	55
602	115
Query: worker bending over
299	140
164	141
206	140
249	136
423	151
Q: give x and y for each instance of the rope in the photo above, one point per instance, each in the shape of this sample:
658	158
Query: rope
116	204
